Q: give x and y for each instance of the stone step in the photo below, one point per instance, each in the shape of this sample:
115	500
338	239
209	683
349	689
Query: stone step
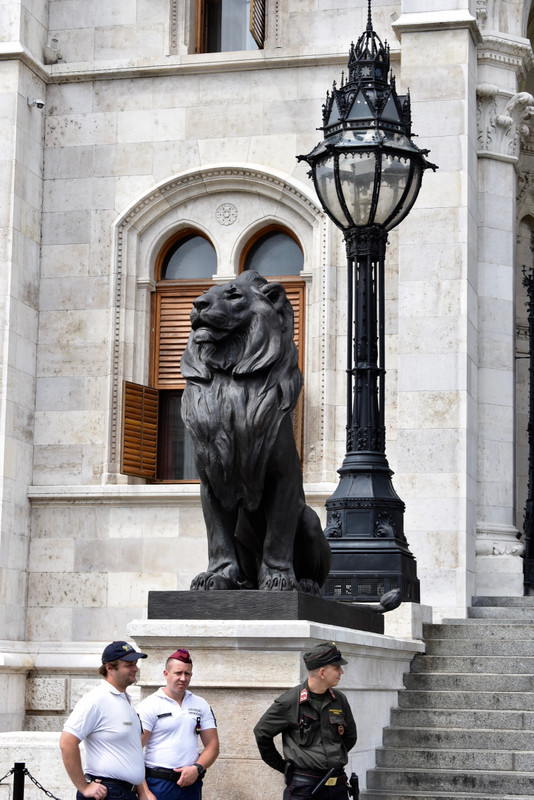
486	760
491	614
503	701
457	738
503	602
463	681
473	664
463	719
427	780
480	629
479	647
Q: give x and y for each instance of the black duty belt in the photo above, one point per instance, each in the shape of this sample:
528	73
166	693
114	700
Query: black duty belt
131	787
163	773
317	773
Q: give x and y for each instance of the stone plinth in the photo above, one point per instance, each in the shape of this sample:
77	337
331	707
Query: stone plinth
241	665
253	605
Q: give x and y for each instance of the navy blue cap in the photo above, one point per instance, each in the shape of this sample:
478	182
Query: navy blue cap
121	651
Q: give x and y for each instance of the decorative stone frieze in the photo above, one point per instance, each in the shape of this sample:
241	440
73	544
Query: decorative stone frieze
512	54
504	120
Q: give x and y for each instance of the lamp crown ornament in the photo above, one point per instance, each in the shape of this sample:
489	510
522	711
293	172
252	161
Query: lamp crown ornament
367	171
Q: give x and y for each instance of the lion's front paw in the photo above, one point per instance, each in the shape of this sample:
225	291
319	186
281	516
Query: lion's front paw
215	580
278	580
310	587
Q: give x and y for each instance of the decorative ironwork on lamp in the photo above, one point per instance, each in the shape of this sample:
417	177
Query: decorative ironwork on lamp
367	173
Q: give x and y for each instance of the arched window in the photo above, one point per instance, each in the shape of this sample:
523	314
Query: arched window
156	445
191	257
274	253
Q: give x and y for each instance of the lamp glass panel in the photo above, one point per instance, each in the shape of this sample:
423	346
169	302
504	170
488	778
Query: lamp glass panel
411	196
357	178
395	173
326	189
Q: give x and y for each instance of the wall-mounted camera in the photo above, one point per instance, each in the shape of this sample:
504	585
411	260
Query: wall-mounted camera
37	103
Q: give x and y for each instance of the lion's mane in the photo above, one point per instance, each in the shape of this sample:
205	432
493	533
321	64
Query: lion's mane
241	366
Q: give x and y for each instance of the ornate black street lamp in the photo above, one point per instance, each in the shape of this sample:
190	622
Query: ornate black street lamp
367	173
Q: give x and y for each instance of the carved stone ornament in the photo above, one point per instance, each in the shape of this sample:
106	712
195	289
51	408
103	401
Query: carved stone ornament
503	121
226	214
482	13
498	541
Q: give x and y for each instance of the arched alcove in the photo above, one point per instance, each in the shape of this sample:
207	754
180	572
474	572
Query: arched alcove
224	203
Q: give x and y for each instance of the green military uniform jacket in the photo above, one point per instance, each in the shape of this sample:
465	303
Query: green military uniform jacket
311	740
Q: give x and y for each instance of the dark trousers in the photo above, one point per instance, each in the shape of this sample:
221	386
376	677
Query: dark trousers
301	786
166	790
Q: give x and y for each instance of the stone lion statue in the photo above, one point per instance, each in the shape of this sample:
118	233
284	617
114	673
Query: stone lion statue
243	382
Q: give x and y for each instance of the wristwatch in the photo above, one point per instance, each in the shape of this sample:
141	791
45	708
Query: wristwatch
201	770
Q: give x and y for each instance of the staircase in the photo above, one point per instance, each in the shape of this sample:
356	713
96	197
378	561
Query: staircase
464	727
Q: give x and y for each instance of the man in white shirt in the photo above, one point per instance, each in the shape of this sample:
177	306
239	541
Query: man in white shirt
106	721
173	718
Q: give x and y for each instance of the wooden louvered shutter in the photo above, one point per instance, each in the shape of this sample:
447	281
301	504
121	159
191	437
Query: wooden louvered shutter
171	332
257	22
295	295
139	430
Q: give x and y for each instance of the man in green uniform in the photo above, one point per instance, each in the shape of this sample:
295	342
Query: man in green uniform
317	729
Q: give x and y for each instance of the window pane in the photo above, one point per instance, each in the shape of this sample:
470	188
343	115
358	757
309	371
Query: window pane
227	24
275	253
192	257
175	447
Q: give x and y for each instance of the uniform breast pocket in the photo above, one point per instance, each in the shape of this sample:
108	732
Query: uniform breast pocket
308	726
337	720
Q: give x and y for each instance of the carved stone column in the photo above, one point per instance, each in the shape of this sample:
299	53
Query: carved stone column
502	119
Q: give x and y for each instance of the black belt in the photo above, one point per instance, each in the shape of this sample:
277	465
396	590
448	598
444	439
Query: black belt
131	787
316	773
163	773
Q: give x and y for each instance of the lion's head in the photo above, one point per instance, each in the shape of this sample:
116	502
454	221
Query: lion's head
244	326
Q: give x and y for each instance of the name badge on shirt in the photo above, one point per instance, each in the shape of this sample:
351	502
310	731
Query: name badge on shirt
168	714
126	723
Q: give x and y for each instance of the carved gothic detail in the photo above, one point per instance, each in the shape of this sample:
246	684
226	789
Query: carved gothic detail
482	13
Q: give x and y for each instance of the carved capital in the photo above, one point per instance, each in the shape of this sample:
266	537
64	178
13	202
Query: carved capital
504	121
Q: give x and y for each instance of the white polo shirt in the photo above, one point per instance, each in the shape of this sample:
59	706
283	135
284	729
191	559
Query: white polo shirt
173	741
107	722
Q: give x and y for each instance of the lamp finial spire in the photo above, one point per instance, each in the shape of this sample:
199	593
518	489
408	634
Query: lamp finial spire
369	18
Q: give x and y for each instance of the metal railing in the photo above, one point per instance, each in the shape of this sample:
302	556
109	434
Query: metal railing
19	771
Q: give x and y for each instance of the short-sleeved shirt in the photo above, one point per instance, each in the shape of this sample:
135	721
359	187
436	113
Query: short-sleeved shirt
106	720
173	738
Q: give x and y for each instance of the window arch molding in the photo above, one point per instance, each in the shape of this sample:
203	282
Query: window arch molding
191	200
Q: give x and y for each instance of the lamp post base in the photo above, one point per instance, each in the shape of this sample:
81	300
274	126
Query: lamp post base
370	554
